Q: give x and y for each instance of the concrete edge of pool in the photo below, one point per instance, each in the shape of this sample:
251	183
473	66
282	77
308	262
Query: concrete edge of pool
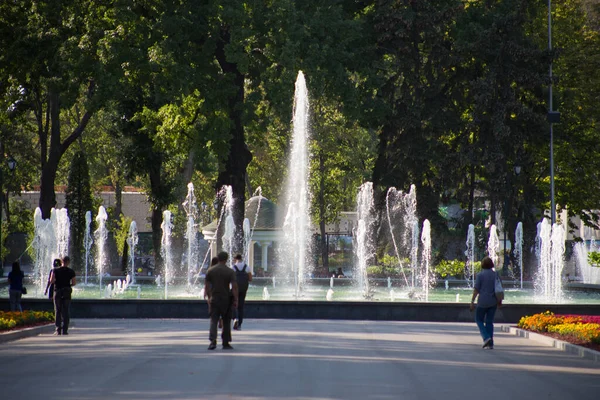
383	311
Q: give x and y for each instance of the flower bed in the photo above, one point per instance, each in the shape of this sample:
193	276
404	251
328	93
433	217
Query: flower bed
581	330
10	320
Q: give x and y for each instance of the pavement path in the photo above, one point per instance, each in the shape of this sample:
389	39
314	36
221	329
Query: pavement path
289	359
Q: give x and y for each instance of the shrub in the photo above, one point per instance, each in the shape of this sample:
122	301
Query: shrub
594	258
450	268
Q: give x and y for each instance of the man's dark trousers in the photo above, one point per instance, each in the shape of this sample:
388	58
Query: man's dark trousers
61	311
220	308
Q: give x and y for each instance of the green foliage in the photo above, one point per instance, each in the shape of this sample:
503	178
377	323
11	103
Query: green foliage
594	258
78	202
121	232
382	270
448	268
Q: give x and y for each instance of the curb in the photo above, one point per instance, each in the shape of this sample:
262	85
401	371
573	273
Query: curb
26	332
579	351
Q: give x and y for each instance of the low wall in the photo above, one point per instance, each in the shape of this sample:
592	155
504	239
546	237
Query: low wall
433	312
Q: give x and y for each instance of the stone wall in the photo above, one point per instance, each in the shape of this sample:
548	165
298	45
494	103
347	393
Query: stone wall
135	205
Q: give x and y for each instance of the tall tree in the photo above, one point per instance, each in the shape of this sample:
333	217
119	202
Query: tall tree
78	202
51	53
415	85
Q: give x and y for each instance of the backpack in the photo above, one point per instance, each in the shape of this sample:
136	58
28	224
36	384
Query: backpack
242	278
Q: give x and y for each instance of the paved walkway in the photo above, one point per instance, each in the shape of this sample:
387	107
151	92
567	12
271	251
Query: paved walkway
289	359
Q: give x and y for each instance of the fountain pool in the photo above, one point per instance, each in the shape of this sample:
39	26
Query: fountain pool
317	290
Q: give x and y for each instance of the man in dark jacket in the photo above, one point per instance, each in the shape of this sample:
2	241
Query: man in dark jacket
63	279
221	299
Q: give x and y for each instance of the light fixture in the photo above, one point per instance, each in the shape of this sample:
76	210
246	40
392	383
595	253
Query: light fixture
12	163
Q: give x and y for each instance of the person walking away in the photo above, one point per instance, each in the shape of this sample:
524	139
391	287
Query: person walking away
487	302
15	288
63	279
216	286
243	274
214	261
57	263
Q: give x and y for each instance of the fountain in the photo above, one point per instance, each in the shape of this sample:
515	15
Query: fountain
166	251
61	226
548	279
519	249
329	295
132	241
249	231
229	231
590	275
396	203
426	259
44	244
494	246
191	238
470	253
411	238
87	242
364	235
101	235
296	227
293	283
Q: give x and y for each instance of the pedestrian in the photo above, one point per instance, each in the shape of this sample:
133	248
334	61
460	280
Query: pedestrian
63	279
243	274
214	261
221	299
487	302
57	263
15	288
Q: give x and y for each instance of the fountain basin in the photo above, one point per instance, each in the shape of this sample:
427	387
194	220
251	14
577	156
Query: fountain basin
384	311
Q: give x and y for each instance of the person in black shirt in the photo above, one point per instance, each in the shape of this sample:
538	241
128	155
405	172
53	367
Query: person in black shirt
15	289
63	279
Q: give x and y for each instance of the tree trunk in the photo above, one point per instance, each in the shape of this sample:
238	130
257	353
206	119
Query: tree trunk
118	201
156	239
57	149
234	173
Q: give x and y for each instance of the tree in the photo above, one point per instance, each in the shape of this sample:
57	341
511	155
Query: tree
53	72
415	88
78	202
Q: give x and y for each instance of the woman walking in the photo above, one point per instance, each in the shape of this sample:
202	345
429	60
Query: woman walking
487	303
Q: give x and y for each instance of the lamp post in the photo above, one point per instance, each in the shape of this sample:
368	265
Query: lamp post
12	164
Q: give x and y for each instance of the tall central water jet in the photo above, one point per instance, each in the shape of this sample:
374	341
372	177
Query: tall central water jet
44	243
364	236
296	227
101	235
166	251
191	209
548	280
229	230
470	253
132	241
87	242
494	246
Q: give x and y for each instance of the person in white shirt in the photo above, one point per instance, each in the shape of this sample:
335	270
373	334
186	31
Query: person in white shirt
244	277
